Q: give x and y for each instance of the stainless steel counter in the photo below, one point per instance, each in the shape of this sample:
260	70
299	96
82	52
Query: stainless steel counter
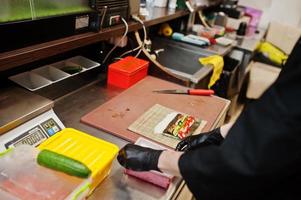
70	109
117	186
18	106
251	41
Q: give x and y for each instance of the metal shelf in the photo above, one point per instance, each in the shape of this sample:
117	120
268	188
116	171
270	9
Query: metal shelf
12	59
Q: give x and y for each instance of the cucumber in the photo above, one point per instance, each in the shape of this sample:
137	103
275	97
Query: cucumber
72	69
63	163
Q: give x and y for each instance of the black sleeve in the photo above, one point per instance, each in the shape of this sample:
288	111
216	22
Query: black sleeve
261	152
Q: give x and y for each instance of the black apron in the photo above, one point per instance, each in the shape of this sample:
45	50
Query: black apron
261	155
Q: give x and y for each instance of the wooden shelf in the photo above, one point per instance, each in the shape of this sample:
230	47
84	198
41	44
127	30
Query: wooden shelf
11	59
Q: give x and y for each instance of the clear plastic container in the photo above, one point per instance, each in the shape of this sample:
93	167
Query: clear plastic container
22	178
30	80
51	73
95	153
7	196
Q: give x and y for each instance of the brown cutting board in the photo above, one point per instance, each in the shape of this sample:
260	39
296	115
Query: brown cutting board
117	114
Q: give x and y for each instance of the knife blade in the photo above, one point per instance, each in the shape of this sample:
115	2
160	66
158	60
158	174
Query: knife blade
200	92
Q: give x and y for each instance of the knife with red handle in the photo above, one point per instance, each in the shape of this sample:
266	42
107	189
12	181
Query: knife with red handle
200	92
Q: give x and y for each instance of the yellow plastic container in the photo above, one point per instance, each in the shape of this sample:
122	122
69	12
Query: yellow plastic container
97	154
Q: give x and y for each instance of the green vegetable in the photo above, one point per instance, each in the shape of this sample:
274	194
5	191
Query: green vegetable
63	163
72	69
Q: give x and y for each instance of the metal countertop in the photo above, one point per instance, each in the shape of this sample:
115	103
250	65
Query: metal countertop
117	185
18	105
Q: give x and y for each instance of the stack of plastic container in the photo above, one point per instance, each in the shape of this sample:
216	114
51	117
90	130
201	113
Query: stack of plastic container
21	178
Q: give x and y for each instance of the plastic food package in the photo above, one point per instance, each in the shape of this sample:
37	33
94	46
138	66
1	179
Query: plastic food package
95	153
22	178
178	125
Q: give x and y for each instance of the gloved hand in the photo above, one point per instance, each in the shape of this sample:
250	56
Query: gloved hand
139	158
201	140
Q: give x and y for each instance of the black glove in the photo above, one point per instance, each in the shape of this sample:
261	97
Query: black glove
201	140
139	158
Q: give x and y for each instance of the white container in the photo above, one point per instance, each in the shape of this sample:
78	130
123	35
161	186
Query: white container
51	73
160	3
30	80
23	178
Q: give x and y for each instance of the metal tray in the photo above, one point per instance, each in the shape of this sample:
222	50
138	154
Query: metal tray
52	73
182	59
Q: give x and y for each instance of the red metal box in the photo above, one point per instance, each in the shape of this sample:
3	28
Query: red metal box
127	72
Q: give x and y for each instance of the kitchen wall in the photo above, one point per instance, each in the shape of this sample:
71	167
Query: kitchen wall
283	11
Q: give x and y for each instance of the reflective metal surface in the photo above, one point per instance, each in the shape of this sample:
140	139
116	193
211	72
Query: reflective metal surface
117	185
70	109
251	41
18	106
182	59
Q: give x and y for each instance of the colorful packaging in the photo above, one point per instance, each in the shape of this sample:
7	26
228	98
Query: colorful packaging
178	125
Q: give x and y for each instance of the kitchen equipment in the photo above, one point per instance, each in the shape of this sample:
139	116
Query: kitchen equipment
231	8
35	122
26	118
188	66
242	29
52	73
116	115
95	153
200	92
221	19
134	7
17	108
22	178
110	12
32	132
41	21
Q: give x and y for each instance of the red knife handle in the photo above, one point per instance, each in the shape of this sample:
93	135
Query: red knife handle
200	92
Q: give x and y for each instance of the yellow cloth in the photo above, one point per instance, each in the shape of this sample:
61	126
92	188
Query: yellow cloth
273	53
218	65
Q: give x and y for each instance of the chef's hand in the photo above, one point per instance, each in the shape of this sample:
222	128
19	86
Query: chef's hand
139	158
200	140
